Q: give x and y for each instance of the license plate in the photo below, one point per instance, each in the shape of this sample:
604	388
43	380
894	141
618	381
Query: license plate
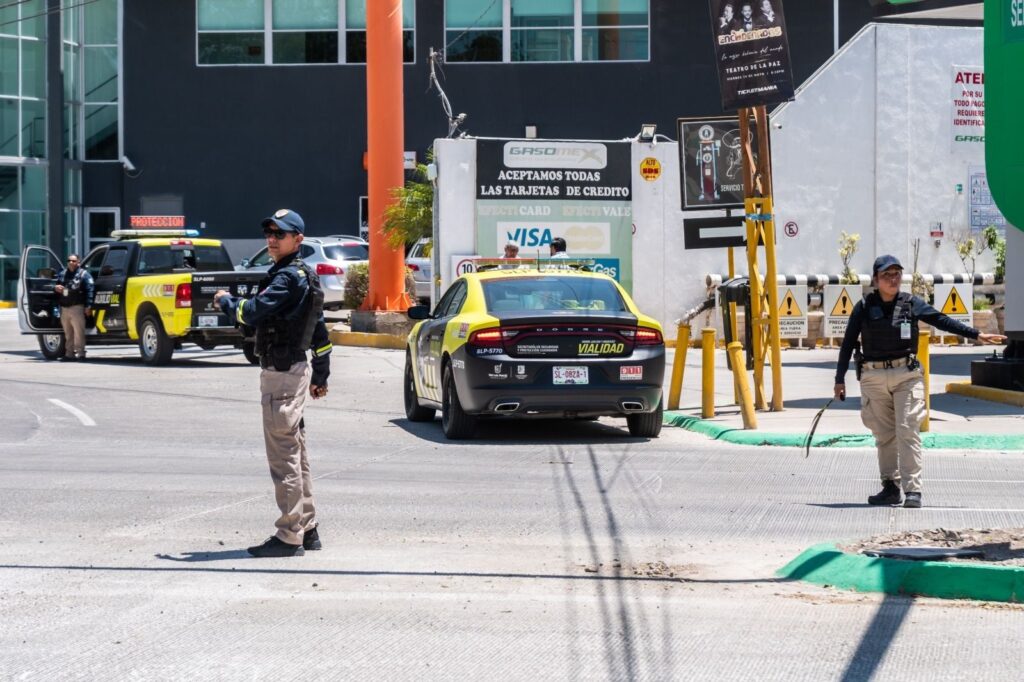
570	375
208	320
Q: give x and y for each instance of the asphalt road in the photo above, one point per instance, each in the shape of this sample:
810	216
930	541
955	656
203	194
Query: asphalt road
542	550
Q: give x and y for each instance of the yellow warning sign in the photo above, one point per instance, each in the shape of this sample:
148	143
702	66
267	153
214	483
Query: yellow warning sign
790	307
650	169
843	306
954	304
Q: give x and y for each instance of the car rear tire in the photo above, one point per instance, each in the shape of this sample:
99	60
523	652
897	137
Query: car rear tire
456	424
52	346
155	346
413	410
249	351
646	424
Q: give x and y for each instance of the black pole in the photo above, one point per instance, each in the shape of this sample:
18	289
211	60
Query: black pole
54	130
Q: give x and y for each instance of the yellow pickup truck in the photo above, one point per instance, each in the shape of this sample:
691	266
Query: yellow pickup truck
143	294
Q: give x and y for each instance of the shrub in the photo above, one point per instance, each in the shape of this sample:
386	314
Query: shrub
357	285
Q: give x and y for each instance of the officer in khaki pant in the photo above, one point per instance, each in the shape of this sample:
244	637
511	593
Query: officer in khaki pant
891	383
287	313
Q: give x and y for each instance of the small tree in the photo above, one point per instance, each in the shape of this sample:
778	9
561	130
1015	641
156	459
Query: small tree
918	285
411	216
848	244
968	248
357	285
998	245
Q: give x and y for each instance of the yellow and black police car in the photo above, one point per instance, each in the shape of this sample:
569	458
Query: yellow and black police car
528	342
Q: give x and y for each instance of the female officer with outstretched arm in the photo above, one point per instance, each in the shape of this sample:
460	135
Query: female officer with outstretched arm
891	382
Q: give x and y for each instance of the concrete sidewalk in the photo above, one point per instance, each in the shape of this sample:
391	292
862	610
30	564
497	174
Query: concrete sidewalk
808	376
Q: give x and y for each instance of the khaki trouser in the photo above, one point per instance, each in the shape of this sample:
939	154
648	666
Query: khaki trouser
283	398
892	406
72	319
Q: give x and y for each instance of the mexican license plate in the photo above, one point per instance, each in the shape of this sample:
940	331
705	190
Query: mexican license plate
208	320
570	375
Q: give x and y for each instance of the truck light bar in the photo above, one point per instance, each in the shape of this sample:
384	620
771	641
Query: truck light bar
135	234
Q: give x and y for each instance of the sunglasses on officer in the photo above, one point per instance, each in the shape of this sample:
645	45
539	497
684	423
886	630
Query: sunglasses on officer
276	234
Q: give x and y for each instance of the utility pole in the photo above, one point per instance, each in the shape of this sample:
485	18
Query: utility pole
385	131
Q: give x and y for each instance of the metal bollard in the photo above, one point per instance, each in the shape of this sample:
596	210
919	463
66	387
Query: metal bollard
746	398
675	388
922	357
707	343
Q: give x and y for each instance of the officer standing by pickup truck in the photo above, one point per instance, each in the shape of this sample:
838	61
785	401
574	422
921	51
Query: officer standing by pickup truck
287	313
75	291
891	382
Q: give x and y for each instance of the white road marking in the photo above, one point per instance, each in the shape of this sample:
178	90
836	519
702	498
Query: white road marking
82	416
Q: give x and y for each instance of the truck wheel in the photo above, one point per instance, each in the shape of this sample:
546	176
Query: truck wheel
455	423
154	345
249	351
646	424
52	346
413	410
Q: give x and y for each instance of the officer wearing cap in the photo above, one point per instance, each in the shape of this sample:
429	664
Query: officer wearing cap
287	313
891	383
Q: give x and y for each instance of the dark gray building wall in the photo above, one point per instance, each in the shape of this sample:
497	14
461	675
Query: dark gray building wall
234	143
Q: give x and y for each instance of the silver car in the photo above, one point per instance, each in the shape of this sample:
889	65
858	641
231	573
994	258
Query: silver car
419	263
329	256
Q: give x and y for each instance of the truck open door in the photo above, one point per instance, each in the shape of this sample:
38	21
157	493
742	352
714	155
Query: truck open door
37	303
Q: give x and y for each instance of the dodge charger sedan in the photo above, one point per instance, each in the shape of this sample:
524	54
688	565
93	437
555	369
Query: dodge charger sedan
522	343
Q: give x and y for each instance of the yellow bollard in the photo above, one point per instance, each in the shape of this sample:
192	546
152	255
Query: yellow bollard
707	409
739	371
922	357
675	388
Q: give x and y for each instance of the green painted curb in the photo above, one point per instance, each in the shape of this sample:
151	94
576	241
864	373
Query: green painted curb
826	565
939	441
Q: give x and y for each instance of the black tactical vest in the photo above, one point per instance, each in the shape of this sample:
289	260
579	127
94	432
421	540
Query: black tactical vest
880	333
283	339
74	289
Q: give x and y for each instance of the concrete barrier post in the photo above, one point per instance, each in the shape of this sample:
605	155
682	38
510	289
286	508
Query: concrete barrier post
675	388
746	398
707	409
922	356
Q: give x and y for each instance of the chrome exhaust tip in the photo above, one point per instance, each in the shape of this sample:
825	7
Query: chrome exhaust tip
506	407
632	406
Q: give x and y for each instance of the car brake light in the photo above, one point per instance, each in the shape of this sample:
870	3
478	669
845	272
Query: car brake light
647	337
327	269
413	267
486	337
181	242
183	296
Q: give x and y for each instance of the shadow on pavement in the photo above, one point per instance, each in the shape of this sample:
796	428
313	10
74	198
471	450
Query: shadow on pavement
525	432
191	557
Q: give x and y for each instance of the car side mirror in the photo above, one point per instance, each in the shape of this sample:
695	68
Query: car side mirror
244	263
106	271
419	312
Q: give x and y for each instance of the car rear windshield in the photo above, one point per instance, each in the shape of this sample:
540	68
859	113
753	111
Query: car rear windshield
551	293
155	260
353	251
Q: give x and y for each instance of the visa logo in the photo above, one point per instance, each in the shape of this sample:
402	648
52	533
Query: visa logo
530	236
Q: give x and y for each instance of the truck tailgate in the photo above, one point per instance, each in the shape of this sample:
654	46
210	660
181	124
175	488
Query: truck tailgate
207	315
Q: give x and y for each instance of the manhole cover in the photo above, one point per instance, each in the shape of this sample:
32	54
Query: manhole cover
926	553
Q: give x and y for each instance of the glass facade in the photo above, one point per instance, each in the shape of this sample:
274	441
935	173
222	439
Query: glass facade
547	30
240	32
23	144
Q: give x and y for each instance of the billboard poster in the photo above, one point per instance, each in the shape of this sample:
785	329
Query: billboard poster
983	209
532	191
711	162
752	52
967	113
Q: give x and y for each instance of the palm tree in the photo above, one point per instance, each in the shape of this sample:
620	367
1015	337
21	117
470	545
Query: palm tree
411	217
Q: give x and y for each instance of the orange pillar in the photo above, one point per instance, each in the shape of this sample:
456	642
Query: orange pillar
385	132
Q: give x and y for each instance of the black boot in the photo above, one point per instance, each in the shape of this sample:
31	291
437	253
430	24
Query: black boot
311	539
889	495
276	548
913	501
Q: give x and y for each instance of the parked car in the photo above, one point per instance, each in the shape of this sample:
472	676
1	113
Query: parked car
530	343
329	256
420	264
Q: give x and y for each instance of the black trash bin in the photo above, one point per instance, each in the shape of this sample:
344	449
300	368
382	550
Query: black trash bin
737	290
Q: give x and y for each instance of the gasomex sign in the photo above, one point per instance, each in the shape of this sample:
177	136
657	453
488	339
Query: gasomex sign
1004	102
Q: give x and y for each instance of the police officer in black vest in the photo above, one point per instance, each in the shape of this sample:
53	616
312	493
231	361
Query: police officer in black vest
287	313
891	382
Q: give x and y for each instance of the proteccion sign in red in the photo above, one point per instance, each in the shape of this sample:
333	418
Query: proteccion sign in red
157	221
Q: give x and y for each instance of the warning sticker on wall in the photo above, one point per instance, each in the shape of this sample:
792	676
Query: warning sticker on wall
956	300
838	304
792	311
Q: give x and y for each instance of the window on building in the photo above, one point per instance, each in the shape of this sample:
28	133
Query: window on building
239	32
547	30
95	94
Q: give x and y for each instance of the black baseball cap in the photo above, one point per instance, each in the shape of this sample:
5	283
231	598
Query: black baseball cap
287	220
883	263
